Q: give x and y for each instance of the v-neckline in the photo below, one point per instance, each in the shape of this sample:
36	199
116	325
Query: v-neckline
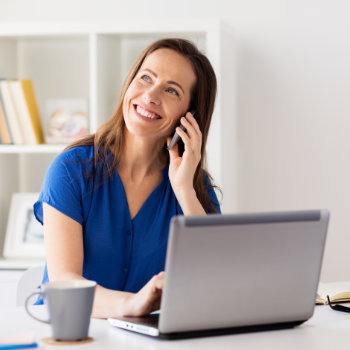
147	199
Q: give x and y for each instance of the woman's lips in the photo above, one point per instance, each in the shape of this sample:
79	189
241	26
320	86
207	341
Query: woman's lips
146	115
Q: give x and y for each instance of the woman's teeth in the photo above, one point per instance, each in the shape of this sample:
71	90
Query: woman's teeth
146	114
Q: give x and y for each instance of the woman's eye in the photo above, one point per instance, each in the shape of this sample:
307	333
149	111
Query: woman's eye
172	91
146	78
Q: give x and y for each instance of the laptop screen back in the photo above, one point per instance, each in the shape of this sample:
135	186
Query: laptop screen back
240	270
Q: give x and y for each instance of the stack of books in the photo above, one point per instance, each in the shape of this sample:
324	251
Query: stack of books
20	121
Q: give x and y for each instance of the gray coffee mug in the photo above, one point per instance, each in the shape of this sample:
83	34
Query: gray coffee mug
69	304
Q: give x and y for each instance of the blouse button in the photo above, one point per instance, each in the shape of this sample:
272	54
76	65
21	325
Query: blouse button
125	269
128	233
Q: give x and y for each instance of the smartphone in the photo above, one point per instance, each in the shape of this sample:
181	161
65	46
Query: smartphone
176	137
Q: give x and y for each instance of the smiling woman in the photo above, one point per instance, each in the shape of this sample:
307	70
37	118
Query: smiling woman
107	200
160	92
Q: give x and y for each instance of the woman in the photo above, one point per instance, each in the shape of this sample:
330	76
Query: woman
107	200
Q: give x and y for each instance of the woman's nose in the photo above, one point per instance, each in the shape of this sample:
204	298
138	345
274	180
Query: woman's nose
151	96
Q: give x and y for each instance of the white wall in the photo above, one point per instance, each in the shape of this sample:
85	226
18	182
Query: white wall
293	86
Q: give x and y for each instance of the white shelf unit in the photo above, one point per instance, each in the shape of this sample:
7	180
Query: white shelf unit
90	60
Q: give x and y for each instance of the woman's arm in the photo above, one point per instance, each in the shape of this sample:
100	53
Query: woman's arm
189	202
65	255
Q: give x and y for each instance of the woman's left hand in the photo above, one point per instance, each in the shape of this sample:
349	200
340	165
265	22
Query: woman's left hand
182	169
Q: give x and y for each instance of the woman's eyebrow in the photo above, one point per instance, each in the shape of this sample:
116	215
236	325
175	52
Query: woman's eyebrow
169	81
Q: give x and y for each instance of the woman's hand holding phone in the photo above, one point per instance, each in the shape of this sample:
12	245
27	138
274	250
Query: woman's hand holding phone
176	136
182	168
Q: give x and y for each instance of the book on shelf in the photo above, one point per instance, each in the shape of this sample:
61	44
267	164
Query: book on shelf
20	106
10	113
4	130
27	110
30	98
338	292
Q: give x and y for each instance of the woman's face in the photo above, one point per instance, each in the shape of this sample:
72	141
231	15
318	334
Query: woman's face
158	95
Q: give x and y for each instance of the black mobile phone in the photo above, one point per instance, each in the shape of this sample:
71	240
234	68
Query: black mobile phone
176	137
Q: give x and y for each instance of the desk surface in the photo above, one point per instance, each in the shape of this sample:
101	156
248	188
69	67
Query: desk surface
326	329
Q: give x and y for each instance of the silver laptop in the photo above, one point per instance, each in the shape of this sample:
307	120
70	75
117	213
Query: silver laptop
237	273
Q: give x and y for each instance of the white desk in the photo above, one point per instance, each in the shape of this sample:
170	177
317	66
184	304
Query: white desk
327	329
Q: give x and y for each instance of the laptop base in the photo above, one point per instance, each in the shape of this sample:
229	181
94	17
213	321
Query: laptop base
220	331
231	330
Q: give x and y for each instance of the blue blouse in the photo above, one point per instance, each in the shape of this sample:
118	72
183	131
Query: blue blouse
120	253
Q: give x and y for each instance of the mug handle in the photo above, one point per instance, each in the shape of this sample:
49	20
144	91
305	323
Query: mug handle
27	309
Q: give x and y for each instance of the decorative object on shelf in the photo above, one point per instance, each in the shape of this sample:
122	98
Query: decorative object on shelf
68	119
24	234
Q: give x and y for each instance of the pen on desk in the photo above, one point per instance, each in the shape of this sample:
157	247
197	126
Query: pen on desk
18	346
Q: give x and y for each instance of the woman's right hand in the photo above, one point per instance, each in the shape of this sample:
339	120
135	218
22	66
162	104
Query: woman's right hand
147	299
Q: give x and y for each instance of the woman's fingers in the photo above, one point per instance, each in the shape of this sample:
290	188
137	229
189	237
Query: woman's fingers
153	293
184	136
191	140
193	122
159	280
189	125
154	285
174	152
182	168
191	136
193	133
148	298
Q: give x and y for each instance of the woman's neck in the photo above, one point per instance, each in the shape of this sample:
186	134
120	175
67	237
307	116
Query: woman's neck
141	157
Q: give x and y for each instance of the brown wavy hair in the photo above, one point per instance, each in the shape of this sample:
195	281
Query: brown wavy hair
109	137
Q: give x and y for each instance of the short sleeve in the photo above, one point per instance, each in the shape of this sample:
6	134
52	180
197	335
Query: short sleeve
212	195
64	185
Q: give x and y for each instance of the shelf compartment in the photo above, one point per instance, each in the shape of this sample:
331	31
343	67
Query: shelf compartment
58	66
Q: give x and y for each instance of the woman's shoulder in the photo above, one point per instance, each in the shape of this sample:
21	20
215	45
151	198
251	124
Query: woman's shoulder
74	158
78	152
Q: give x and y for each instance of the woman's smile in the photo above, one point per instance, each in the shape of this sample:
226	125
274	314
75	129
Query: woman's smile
146	114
